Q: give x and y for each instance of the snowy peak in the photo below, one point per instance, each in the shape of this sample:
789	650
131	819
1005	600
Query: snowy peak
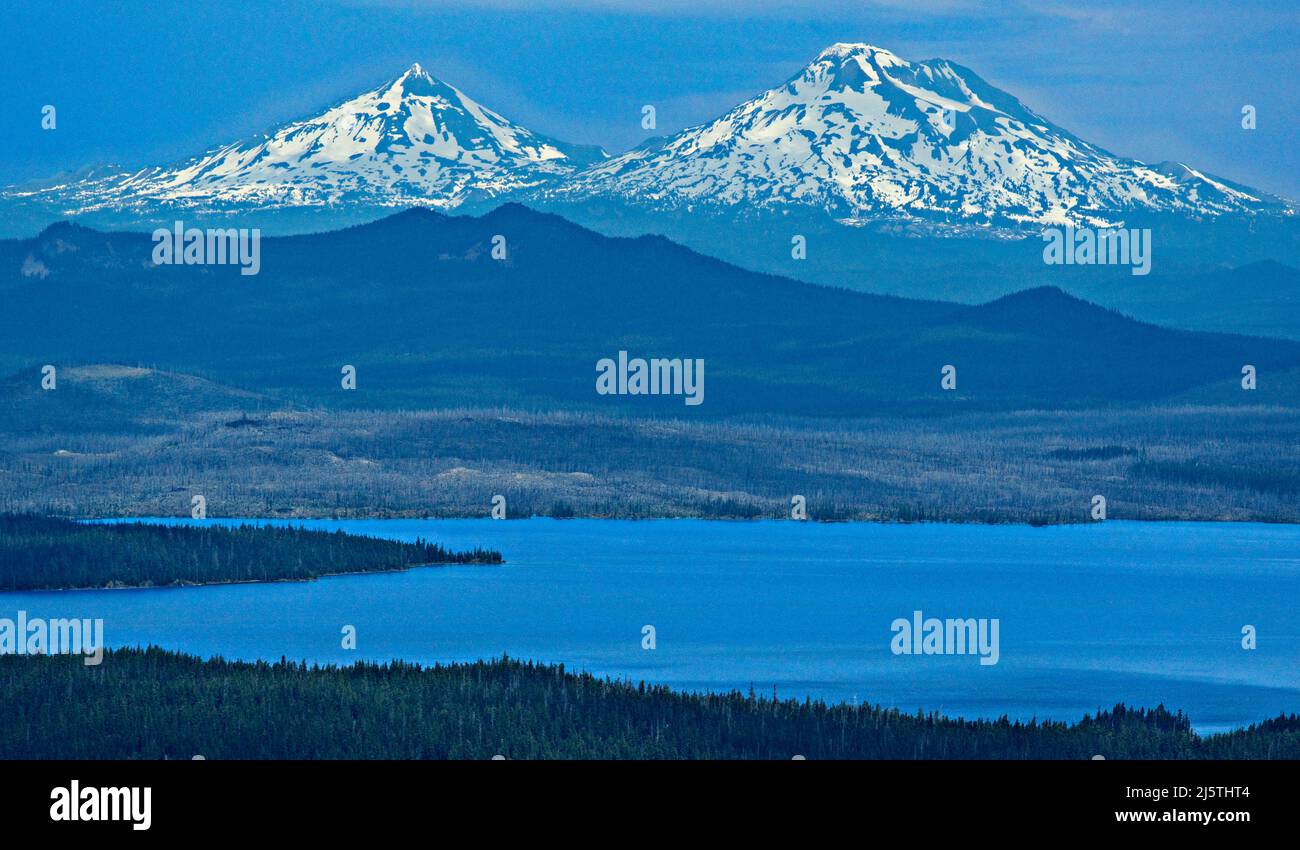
436	119
414	82
864	134
416	70
938	82
848	65
413	140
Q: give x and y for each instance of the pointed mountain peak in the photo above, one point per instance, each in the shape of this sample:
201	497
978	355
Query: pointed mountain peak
415	80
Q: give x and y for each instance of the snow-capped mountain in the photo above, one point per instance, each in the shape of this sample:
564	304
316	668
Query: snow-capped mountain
413	141
860	134
864	134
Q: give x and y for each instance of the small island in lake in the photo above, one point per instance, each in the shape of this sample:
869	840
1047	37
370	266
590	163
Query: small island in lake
46	553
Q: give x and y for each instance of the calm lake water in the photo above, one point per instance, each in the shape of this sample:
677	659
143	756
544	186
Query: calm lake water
1089	615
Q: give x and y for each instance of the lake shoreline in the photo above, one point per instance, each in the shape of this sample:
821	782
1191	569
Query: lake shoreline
181	585
93	518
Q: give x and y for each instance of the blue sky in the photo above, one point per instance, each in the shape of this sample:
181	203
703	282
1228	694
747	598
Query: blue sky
148	82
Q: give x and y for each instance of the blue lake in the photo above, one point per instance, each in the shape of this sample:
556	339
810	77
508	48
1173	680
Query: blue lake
1089	615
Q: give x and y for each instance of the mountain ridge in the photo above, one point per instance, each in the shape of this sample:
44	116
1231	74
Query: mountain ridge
430	319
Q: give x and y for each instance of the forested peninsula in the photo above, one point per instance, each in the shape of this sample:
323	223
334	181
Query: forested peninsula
46	553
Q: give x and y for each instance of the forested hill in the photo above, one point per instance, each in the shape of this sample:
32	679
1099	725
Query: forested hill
45	553
156	704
